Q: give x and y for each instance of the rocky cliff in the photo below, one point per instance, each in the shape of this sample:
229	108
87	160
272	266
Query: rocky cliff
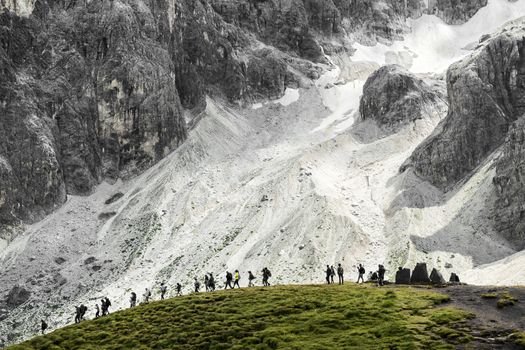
486	94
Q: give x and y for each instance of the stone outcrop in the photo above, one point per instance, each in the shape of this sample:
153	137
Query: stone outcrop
436	277
455	11
509	183
486	94
17	296
403	276
420	274
394	97
454	278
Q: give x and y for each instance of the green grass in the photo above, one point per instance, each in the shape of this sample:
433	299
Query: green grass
505	299
284	317
519	338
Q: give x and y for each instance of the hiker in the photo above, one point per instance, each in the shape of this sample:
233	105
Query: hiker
97	313
77	314
332	274
83	309
266	275
381	275
147	295
372	276
340	273
43	326
103	307
251	277
328	274
237	278
197	285
133	299
163	290
211	281
361	271
207	282
229	278
179	289
108	304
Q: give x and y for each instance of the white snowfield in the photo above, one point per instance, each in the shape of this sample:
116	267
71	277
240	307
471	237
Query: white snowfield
292	185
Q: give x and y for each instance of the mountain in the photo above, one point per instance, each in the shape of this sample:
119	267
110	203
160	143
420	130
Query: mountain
149	141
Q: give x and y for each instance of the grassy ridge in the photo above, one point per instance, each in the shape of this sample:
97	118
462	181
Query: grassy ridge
287	317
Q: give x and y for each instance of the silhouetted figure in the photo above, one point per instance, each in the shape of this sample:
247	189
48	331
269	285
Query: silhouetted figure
381	275
163	290
361	271
207	283
266	276
237	278
103	307
332	274
251	277
43	326
147	295
211	281
328	274
179	289
340	272
133	299
197	285
108	304
229	278
97	313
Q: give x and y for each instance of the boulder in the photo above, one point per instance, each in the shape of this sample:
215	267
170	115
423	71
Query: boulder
17	296
403	276
420	274
436	277
454	278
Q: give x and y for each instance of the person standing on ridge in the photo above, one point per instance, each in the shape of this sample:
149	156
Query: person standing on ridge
207	282
251	277
328	274
197	285
163	290
381	275
103	307
179	289
211	281
237	278
97	313
340	272
43	326
147	295
266	275
361	271
108	304
332	274
229	278
133	299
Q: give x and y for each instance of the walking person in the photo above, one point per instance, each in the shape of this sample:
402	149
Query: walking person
108	304
163	290
381	275
179	289
97	313
251	277
332	274
328	274
229	278
103	307
207	282
211	281
361	271
197	285
147	295
133	299
340	273
237	278
43	326
266	276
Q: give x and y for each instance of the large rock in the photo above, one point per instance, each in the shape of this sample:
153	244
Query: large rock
394	97
454	11
454	278
17	296
486	93
436	277
420	274
403	276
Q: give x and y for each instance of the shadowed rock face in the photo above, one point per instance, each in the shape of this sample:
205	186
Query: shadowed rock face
455	11
394	97
486	93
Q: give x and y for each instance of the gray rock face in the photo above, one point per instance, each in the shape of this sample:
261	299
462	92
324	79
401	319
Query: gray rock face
509	182
403	276
420	274
394	97
436	277
486	93
17	296
455	11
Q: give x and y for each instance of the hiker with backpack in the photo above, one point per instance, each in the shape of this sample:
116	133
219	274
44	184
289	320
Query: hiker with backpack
197	285
108	304
133	299
229	278
211	281
361	271
163	290
237	278
381	275
43	326
340	273
251	277
147	295
328	274
266	275
103	307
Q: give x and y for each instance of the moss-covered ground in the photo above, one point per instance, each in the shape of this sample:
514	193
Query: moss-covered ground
283	317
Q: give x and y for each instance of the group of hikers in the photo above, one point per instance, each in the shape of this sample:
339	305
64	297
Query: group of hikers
231	281
376	276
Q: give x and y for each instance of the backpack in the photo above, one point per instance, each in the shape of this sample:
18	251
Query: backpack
340	270
269	273
362	270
